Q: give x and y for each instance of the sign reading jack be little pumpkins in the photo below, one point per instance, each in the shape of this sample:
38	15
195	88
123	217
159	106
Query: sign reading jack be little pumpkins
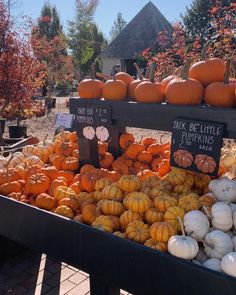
196	145
93	121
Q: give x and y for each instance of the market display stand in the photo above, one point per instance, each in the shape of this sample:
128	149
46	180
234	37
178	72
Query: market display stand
112	262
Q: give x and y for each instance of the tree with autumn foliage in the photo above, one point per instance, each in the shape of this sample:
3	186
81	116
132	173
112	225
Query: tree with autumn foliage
50	46
21	72
85	40
171	51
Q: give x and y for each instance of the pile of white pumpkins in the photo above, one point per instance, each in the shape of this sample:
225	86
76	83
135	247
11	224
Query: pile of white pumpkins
214	231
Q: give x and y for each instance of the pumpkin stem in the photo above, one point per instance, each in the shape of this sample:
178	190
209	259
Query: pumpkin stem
227	71
207	212
8	161
185	70
147	72
181	225
204	50
139	71
152	72
45	138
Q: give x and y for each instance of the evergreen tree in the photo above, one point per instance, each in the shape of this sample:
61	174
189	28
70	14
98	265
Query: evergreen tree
197	18
84	38
49	22
118	26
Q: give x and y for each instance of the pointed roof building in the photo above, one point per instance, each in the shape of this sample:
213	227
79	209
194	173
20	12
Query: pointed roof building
139	33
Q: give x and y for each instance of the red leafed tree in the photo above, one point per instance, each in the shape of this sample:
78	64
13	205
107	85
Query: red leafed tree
172	51
20	71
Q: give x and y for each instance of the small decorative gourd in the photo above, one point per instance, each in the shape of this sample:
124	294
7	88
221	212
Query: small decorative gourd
228	264
196	224
221	216
137	231
217	244
224	189
183	246
213	263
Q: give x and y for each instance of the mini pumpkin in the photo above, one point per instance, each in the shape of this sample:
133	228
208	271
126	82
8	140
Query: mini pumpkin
137	202
189	202
137	231
129	183
160	246
45	201
110	207
104	223
127	217
173	214
64	211
162	231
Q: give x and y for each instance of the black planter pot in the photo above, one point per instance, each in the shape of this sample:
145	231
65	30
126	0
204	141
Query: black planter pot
17	131
2	125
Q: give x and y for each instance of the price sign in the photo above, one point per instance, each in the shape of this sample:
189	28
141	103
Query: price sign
196	145
93	121
64	120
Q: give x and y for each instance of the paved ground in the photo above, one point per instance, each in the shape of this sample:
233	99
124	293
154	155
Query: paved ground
26	272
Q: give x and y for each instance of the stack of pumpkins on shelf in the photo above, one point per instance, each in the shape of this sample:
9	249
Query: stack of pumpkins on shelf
186	214
204	81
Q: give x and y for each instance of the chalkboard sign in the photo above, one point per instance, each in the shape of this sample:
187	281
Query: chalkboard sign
196	145
93	121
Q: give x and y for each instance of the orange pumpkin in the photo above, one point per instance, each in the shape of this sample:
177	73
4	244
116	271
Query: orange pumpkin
110	207
207	70
105	160
184	90
162	231
152	215
88	181
114	90
45	201
37	184
89	213
160	246
221	94
90	88
137	231
70	202
127	217
64	211
10	187
126	78
125	140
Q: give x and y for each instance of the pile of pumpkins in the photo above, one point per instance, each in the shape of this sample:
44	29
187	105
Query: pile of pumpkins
206	80
171	210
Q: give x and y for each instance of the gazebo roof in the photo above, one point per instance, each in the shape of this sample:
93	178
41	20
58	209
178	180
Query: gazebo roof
139	33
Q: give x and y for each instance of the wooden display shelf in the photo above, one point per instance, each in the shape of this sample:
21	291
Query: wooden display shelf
112	262
161	116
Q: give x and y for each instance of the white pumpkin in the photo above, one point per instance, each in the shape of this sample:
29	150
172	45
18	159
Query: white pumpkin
224	189
89	132
233	207
28	150
183	247
201	256
234	242
196	224
3	162
221	216
217	244
213	263
102	133
228	264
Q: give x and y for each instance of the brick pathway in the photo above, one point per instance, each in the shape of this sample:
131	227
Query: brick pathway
26	272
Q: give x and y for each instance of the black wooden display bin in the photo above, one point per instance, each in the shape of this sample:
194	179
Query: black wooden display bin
113	262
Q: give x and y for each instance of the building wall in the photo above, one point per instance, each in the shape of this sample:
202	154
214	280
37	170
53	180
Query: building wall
108	64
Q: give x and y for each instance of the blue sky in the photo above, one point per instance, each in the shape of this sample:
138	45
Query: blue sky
106	11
